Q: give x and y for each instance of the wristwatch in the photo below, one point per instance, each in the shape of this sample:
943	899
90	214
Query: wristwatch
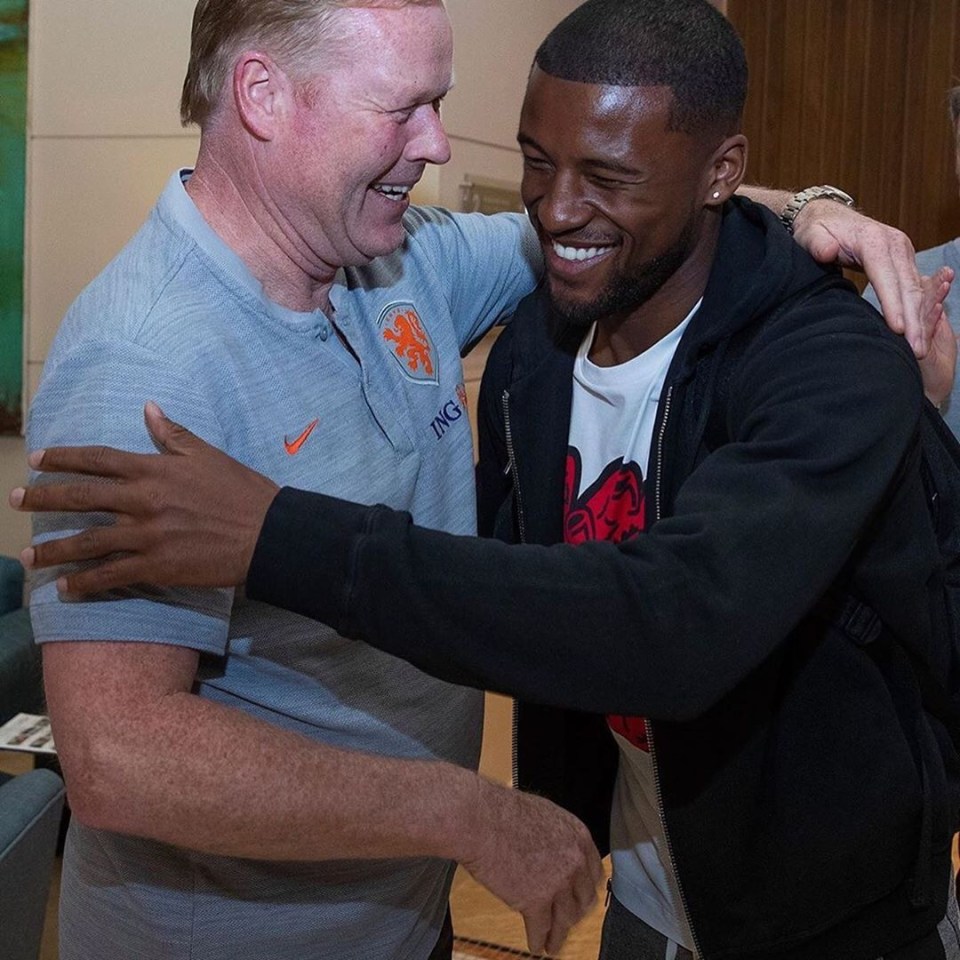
799	200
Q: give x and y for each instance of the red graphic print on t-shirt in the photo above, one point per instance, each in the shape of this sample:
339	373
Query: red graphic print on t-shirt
611	508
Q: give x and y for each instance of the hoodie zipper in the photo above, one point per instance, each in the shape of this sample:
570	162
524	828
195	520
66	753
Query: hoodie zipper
512	460
512	467
657	513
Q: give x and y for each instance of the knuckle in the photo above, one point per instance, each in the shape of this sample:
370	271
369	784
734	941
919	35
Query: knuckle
98	456
89	540
154	498
82	496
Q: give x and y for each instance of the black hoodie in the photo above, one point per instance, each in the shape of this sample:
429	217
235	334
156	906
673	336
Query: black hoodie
802	787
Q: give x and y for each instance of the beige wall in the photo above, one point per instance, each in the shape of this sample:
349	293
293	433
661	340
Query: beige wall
102	137
494	44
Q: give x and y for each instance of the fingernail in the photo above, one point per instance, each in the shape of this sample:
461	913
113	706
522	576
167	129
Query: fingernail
16	497
61	585
28	557
35	459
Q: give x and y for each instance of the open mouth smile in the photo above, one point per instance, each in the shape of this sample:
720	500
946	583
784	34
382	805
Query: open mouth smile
567	260
393	191
579	254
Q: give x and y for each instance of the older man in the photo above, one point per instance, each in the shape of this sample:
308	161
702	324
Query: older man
246	783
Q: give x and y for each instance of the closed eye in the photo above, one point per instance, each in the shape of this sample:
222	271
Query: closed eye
406	113
535	163
611	182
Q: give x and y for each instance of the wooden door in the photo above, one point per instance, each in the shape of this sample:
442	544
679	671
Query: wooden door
854	93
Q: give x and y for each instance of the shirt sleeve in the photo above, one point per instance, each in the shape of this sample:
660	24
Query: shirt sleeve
486	264
94	394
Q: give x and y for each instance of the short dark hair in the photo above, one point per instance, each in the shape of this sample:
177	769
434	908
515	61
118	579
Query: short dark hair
686	45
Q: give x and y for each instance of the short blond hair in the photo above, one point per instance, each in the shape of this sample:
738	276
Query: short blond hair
289	30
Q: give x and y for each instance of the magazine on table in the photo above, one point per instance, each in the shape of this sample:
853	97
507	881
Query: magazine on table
28	732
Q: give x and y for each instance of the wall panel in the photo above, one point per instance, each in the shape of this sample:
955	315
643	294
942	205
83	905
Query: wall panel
853	92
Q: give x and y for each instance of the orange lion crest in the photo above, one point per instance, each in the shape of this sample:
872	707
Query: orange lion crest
404	332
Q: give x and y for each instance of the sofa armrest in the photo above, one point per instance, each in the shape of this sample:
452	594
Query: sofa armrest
11	584
21	670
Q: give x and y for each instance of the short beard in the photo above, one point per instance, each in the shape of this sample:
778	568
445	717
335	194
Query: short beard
623	294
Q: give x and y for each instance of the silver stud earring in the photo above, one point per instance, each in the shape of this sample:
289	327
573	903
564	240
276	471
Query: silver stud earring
716	194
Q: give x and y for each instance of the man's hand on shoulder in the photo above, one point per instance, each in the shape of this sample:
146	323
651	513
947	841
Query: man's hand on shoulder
834	233
188	517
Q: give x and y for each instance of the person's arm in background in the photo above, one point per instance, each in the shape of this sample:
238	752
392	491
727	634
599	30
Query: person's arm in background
832	232
911	304
938	367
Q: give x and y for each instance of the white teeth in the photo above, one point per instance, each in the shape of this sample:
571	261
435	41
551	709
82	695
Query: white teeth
393	192
577	253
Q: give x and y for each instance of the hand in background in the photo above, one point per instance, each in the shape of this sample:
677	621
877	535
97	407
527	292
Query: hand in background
938	367
832	232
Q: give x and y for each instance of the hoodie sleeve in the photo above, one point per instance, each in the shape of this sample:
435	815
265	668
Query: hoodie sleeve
822	419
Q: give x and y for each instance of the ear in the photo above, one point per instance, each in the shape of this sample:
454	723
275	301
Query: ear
262	93
727	168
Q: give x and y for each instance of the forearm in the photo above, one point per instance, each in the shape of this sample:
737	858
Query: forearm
145	756
455	592
194	773
648	605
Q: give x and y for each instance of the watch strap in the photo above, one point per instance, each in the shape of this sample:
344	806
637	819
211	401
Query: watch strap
799	200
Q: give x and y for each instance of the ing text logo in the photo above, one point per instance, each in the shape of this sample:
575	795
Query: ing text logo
446	417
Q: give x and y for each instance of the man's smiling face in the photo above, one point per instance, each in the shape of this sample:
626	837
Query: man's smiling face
616	196
362	131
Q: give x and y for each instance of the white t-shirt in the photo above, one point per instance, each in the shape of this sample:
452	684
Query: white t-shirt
611	429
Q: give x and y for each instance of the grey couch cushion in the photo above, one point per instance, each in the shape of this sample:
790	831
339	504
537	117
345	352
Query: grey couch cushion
30	807
21	676
11	584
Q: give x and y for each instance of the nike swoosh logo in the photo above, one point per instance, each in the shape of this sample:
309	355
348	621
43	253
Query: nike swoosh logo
293	446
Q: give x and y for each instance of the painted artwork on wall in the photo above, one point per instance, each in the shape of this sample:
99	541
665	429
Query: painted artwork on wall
13	127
